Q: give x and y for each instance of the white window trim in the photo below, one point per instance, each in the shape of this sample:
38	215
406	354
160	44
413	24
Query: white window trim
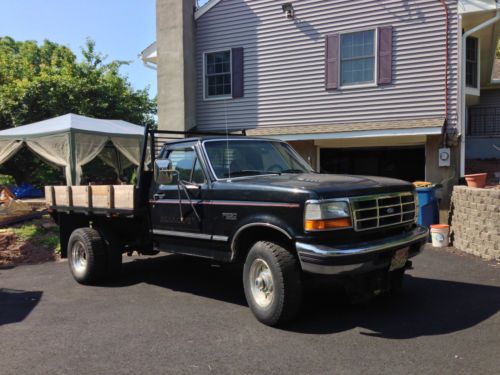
218	97
476	91
375	64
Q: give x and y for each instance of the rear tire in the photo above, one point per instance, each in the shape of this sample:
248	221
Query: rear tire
272	282
87	255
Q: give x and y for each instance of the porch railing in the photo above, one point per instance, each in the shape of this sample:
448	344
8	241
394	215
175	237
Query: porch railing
484	121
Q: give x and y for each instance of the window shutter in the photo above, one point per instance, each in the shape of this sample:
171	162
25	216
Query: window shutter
384	55
331	61
237	70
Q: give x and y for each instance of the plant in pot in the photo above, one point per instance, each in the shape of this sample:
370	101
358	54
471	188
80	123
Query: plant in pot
477	180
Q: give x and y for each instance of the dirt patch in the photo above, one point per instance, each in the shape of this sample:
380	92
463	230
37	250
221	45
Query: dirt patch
30	243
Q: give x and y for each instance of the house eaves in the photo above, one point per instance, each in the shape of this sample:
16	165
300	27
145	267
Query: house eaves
149	56
476	6
393	128
205	8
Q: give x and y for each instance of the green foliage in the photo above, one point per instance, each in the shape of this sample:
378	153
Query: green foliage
26	232
36	234
6	180
38	82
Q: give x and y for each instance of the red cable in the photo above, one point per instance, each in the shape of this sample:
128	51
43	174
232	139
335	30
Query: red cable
443	2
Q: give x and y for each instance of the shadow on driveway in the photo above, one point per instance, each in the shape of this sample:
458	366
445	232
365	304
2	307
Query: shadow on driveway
16	305
425	307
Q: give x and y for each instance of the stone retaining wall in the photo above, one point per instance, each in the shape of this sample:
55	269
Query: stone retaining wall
475	221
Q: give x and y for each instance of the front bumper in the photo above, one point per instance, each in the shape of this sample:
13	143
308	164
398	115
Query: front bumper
359	257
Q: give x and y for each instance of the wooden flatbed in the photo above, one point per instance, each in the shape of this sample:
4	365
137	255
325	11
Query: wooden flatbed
92	199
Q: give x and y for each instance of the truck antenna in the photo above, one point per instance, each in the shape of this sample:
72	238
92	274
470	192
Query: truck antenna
226	157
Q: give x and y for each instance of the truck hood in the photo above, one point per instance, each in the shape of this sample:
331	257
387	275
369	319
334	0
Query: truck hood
326	186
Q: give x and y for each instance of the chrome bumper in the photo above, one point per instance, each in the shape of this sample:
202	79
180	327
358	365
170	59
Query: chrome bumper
359	257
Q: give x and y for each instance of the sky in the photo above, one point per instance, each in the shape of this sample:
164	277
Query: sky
120	28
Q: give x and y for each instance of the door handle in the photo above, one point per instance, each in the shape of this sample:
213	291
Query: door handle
158	196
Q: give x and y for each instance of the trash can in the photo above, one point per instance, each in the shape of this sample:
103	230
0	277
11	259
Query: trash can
428	208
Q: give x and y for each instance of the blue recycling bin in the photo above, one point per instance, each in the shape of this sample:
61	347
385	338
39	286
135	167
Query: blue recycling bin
428	208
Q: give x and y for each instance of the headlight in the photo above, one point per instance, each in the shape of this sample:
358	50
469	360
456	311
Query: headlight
327	215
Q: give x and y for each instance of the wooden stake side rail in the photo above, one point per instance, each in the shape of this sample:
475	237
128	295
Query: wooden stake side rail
98	198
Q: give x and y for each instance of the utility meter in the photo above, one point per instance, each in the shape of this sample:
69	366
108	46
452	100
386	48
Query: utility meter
444	157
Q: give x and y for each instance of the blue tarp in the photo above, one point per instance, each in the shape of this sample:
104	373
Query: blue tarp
27	191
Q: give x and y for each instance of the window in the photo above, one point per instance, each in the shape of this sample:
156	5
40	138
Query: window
218	74
187	165
357	58
239	158
198	177
471	62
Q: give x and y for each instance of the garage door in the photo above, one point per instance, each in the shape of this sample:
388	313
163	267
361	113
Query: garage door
406	163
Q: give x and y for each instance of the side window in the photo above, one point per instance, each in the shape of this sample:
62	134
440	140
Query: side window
198	175
182	161
186	163
471	62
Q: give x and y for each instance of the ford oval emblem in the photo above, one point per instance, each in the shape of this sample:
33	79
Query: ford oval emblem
390	210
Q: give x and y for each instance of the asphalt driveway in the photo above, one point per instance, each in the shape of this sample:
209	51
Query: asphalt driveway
174	314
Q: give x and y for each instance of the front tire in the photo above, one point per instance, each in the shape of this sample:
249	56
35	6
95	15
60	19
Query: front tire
272	282
87	255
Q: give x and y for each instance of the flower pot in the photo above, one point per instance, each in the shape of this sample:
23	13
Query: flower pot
477	180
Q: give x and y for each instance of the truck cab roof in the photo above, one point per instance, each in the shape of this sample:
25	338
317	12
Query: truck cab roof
219	138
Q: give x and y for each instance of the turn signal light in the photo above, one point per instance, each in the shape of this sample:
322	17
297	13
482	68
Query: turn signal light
344	222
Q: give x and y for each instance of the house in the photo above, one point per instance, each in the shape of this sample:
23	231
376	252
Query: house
395	88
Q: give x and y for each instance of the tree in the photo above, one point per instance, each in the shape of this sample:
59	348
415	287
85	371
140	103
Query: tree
38	82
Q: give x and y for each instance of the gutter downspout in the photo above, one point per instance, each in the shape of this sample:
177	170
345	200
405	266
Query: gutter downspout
462	85
446	63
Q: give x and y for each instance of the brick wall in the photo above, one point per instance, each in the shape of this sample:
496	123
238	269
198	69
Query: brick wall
475	221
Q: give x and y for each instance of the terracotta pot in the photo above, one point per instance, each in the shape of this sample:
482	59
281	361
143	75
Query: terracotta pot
477	180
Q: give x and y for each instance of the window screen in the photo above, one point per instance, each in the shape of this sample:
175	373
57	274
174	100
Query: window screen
357	56
218	74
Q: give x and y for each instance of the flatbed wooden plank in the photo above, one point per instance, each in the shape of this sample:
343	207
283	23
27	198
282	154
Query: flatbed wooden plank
62	196
102	196
49	196
81	196
92	198
124	197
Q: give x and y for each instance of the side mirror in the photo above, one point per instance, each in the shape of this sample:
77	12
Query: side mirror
163	172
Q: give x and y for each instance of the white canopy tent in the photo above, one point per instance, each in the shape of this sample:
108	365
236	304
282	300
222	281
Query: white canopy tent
71	141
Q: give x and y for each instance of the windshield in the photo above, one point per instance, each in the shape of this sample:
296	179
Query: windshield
237	158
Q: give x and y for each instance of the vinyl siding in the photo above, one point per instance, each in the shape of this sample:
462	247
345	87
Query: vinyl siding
285	60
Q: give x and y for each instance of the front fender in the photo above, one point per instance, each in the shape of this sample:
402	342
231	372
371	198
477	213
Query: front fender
268	221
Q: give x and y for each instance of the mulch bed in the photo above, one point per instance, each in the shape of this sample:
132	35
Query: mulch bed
15	251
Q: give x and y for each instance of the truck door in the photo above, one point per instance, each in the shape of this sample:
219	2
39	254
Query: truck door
176	209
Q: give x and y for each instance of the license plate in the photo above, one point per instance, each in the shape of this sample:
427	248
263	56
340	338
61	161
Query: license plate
399	259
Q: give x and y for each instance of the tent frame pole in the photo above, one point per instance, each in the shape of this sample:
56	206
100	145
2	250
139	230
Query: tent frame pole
72	158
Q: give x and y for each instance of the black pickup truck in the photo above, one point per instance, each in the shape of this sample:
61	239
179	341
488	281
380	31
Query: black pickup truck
250	201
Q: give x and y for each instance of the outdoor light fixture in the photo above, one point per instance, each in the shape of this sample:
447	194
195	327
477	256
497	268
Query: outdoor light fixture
288	10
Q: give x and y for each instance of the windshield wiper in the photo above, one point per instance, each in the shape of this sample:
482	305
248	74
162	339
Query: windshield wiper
292	171
243	172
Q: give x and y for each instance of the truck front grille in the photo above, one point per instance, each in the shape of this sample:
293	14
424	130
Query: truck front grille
384	210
